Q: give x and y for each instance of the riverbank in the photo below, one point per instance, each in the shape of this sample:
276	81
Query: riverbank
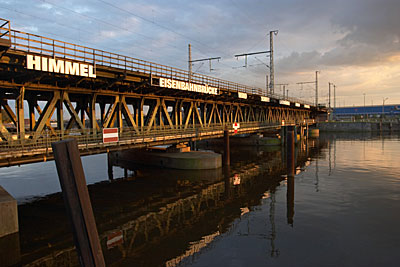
349	126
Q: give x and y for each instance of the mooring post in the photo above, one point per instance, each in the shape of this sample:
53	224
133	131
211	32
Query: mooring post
290	147
77	202
283	135
307	131
227	160
290	165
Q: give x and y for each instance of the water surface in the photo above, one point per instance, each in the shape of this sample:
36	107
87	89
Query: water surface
340	209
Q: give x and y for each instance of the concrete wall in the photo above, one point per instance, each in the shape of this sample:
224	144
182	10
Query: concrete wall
9	236
357	126
8	213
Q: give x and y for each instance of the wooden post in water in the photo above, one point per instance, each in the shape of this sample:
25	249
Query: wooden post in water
77	202
110	167
283	135
290	150
290	165
227	159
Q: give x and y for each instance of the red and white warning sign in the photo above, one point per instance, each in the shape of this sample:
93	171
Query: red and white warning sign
115	239
236	126
110	135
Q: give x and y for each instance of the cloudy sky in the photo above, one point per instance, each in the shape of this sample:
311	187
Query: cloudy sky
355	44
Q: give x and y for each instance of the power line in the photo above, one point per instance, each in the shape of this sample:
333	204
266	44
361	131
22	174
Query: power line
67	26
159	25
86	31
118	27
245	14
105	22
166	28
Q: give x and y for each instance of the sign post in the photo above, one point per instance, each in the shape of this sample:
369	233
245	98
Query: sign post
236	126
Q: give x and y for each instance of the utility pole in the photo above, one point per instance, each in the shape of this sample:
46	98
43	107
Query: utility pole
329	101
364	100
334	96
284	88
271	61
316	88
266	83
334	100
383	106
364	106
190	61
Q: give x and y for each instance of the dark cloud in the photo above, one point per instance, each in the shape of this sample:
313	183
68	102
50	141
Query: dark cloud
371	35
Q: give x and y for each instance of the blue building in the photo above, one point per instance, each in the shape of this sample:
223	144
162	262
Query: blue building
367	112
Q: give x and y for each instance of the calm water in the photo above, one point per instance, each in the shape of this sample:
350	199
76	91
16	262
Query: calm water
341	209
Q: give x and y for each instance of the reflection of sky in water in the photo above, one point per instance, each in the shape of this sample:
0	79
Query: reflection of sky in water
40	179
345	214
345	211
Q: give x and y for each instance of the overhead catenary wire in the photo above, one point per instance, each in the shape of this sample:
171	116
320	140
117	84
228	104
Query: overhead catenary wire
118	27
78	29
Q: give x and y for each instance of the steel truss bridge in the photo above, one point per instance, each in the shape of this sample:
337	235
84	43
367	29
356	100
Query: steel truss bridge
41	106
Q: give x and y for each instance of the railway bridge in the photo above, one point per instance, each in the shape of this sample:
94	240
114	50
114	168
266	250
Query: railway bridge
52	90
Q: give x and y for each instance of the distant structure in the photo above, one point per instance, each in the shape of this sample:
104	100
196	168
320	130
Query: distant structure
367	112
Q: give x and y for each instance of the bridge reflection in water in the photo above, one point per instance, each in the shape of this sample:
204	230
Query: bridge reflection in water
163	217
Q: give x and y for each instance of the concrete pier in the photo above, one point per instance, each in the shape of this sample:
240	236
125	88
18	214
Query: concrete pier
314	133
193	160
8	214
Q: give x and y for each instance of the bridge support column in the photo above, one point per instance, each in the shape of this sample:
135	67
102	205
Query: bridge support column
290	165
227	158
21	115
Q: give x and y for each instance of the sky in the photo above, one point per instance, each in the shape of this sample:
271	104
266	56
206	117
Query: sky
354	44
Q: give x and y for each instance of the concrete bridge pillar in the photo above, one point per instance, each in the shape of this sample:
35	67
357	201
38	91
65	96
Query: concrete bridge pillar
9	230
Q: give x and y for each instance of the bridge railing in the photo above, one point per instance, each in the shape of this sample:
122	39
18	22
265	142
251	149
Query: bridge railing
32	43
88	139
